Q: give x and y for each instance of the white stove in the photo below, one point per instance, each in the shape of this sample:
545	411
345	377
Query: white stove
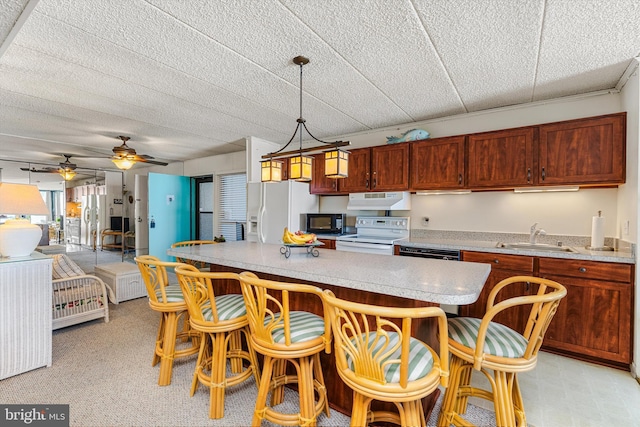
375	235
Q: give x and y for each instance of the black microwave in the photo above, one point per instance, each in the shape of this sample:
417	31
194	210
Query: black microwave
325	223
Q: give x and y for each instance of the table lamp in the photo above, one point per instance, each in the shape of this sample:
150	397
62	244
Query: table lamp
18	237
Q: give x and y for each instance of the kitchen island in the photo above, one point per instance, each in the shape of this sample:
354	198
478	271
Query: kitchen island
434	281
373	279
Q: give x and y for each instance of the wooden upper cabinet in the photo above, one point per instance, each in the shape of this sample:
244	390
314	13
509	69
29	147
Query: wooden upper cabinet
585	151
437	164
358	180
320	184
285	168
502	159
390	167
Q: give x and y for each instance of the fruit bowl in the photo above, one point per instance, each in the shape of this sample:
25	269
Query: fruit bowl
311	248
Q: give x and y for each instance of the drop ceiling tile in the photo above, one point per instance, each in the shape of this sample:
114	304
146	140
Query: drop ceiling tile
586	48
489	48
270	36
387	45
9	14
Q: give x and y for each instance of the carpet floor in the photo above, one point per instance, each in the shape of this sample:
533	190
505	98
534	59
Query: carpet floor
103	371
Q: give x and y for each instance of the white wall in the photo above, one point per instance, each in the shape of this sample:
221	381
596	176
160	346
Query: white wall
628	194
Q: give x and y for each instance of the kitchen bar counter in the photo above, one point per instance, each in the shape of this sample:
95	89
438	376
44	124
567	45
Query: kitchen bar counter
435	281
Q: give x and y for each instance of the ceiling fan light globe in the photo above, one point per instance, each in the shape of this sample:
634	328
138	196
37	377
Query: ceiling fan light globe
67	174
124	163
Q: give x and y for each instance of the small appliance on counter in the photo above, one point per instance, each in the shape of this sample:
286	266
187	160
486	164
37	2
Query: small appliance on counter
326	223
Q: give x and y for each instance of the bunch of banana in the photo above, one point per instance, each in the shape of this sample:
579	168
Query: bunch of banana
298	238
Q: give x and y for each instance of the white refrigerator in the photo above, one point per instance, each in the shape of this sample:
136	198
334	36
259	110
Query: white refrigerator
273	206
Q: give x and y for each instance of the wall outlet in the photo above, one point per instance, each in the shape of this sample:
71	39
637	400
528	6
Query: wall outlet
425	220
625	228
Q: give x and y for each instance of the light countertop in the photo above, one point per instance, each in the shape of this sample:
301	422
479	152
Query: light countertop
436	281
581	252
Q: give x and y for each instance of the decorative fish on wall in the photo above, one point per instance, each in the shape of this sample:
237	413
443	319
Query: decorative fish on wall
410	135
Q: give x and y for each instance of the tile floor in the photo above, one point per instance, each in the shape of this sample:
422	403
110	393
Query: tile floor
562	392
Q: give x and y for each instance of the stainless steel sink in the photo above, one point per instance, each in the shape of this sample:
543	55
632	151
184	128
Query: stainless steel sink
535	247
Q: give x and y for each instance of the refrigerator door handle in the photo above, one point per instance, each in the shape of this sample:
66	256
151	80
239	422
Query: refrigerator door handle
261	236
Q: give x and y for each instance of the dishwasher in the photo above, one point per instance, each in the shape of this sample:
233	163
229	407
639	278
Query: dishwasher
442	254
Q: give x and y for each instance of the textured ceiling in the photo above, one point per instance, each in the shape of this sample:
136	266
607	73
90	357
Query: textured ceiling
187	79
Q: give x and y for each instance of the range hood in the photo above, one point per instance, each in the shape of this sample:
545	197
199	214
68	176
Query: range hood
388	201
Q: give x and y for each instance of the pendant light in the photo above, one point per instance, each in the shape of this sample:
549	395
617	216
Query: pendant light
271	170
301	166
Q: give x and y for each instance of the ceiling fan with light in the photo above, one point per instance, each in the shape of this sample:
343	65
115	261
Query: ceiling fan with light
124	156
66	169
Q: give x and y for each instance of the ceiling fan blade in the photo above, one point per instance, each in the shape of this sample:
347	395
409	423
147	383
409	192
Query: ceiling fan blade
34	170
153	162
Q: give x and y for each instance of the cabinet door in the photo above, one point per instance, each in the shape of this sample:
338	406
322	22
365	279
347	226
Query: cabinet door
595	319
502	267
284	171
502	159
437	164
587	151
320	184
390	167
359	166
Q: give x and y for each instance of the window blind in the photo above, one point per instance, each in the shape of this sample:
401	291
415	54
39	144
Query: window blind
231	211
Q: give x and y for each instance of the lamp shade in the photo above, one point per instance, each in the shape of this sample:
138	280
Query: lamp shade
300	168
21	199
18	237
336	164
271	170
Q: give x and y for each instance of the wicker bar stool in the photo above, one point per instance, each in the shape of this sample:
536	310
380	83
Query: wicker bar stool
284	336
377	357
223	321
484	345
204	266
167	299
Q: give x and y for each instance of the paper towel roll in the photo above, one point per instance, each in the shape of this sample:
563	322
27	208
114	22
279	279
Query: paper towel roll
597	232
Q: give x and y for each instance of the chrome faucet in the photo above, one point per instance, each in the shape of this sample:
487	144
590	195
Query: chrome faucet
535	232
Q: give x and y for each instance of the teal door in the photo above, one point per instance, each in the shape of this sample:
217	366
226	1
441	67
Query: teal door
170	212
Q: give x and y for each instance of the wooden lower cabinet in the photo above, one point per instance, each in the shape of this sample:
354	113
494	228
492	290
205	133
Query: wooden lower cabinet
596	320
502	266
328	243
593	321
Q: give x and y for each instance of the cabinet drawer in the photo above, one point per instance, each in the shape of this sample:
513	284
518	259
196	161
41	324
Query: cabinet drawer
501	261
586	269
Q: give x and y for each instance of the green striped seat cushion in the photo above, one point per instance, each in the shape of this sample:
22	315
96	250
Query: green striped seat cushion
420	358
174	294
229	307
500	340
304	326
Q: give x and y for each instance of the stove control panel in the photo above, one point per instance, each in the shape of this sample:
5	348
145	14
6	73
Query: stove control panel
383	223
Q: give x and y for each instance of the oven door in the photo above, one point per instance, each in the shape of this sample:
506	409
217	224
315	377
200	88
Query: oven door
364	247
